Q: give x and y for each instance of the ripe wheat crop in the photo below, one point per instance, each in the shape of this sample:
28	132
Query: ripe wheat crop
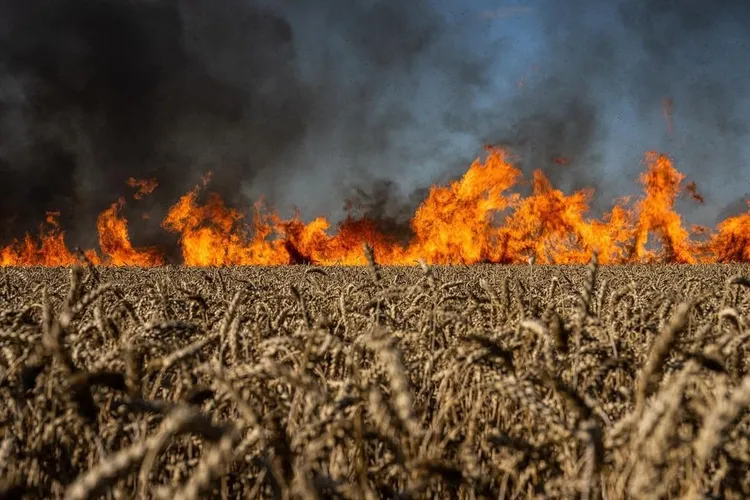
375	382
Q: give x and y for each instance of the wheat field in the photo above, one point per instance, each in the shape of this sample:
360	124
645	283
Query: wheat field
375	382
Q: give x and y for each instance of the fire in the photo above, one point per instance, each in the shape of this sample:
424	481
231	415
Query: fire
478	218
553	228
454	224
732	240
48	250
656	213
115	243
211	234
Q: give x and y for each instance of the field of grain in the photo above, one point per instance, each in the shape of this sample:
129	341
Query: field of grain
374	382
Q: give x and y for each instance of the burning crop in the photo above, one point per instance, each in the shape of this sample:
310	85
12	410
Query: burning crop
479	218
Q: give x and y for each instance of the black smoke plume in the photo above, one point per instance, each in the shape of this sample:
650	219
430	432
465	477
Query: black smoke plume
97	91
273	98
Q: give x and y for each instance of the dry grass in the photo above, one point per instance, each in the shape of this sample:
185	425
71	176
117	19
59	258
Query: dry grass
302	382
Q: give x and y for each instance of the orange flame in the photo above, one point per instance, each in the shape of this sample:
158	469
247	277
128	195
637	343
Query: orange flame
454	224
656	213
552	228
49	250
477	218
732	241
220	241
115	243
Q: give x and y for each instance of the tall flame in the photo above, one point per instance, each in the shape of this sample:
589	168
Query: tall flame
477	218
454	224
656	213
115	243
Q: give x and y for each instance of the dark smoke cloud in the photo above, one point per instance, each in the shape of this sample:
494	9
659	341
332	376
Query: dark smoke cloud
312	102
97	91
292	100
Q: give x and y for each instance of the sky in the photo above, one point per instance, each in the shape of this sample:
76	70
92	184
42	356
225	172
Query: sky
310	104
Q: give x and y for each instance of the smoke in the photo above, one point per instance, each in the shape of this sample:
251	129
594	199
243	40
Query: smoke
387	76
606	73
94	92
696	53
295	101
735	207
310	103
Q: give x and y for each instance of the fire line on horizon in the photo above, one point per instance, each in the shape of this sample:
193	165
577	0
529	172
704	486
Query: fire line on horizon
454	224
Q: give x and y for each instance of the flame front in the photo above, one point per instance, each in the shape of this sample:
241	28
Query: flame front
552	228
48	250
475	219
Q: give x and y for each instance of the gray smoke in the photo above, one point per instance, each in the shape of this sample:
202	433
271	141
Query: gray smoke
311	103
606	70
591	100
